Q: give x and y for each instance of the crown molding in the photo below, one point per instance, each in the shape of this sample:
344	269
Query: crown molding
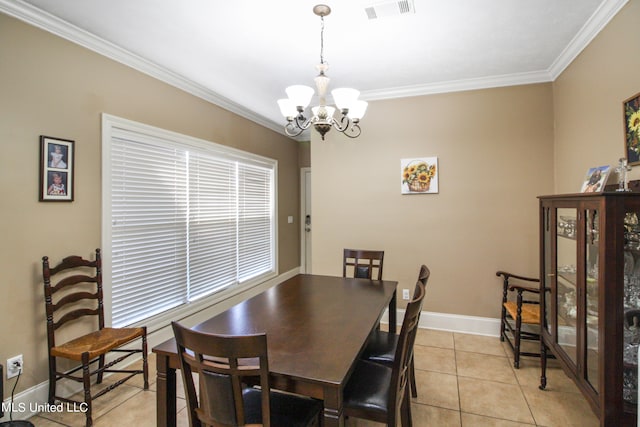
587	33
459	85
45	21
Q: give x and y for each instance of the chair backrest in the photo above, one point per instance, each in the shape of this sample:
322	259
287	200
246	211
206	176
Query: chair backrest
423	277
361	264
424	274
72	290
404	349
221	362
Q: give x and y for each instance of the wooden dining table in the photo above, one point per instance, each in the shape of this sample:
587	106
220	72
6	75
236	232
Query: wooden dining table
316	327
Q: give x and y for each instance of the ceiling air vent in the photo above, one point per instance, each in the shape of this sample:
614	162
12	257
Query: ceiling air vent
390	8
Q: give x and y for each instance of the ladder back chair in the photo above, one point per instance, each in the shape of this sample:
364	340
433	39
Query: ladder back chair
520	317
224	364
380	393
73	296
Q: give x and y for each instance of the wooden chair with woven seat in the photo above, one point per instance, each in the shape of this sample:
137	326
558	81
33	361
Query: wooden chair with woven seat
520	318
74	302
223	363
380	393
381	345
362	264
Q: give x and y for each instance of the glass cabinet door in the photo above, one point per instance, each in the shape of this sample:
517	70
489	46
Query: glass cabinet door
548	271
566	294
631	306
591	241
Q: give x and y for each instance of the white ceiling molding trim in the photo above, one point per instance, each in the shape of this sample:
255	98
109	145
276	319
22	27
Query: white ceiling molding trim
459	85
43	20
587	33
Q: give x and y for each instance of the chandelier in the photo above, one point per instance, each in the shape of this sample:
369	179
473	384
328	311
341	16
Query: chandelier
346	100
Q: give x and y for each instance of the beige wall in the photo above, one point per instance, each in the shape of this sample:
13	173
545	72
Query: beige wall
495	152
498	149
52	87
588	100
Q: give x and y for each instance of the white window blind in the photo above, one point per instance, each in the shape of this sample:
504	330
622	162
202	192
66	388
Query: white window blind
186	222
255	237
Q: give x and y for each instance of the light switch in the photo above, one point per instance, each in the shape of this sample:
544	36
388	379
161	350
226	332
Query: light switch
290	219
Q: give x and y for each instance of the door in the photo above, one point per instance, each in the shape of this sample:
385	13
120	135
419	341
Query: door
305	232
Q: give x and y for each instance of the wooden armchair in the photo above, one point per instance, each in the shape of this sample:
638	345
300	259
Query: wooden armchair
520	319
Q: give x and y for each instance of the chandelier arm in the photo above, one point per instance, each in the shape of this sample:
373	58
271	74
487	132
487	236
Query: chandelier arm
302	122
292	130
354	131
343	124
295	126
348	127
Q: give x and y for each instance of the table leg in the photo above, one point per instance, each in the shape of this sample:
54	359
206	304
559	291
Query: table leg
165	392
333	408
392	314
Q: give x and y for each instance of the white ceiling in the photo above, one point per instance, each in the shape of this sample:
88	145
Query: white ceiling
242	54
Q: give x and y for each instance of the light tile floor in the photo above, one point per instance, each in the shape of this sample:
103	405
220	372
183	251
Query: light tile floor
463	381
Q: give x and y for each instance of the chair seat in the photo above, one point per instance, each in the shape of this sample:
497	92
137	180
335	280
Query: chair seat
96	343
530	312
368	389
286	409
381	347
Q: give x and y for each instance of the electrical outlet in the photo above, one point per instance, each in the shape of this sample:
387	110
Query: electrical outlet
405	294
15	365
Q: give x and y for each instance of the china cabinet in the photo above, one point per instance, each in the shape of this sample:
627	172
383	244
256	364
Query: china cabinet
590	297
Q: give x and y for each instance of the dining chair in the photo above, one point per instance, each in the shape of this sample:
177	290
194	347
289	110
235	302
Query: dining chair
380	393
74	301
520	318
362	264
381	345
224	364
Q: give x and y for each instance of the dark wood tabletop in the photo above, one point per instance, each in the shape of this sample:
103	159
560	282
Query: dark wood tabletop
316	328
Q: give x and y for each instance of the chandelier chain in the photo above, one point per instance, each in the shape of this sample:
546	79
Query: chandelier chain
322	39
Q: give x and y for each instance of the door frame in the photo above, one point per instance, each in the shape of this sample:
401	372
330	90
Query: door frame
304	172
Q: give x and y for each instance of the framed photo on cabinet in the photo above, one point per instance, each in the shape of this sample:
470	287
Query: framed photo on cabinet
56	169
595	179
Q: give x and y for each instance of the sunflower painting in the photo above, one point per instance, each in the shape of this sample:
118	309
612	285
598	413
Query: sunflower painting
632	129
419	176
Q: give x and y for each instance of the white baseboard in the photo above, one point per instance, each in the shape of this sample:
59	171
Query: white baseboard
474	325
25	402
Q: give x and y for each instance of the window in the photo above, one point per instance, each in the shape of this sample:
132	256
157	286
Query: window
184	219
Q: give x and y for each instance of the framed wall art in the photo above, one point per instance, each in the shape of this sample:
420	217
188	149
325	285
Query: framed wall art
419	175
56	169
631	116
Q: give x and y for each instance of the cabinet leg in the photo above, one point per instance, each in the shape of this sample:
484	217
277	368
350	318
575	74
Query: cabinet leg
543	365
